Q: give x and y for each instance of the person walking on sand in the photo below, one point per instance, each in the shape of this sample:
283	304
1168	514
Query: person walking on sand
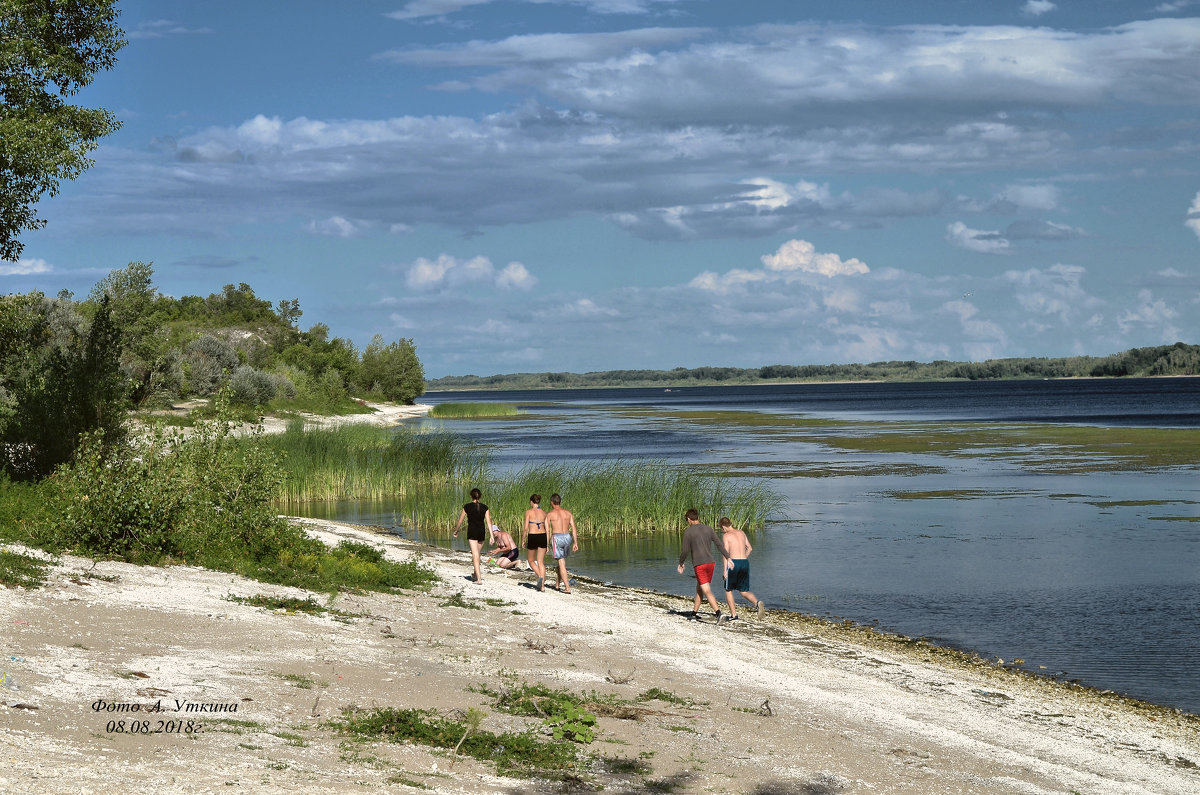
566	540
535	539
479	526
737	568
505	553
697	543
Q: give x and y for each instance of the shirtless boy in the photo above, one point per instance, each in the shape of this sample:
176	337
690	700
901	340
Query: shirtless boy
565	540
697	543
737	568
505	552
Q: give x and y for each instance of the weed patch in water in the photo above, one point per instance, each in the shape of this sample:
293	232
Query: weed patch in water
473	411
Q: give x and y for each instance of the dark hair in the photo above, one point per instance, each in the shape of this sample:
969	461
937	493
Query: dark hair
692	514
476	494
725	522
555	499
535	498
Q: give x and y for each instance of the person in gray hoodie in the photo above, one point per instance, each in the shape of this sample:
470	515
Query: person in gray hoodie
697	544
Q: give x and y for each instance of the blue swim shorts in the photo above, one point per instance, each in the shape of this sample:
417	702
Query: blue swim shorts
562	545
738	577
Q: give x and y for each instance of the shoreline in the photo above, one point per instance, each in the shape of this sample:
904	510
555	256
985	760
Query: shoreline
672	386
850	709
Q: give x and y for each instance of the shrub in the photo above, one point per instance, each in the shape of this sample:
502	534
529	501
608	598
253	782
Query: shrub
252	387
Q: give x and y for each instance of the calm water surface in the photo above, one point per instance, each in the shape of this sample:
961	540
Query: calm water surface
1092	577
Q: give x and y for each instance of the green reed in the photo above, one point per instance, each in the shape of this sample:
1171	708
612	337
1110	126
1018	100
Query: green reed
473	410
367	463
428	474
607	497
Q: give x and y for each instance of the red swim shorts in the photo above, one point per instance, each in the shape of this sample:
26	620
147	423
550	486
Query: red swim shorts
704	574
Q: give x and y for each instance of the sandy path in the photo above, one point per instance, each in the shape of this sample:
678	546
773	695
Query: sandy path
850	712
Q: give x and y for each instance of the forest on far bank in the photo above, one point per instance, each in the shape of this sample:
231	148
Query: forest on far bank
1162	360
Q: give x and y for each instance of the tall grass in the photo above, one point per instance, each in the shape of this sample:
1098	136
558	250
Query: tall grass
366	463
607	497
473	410
427	475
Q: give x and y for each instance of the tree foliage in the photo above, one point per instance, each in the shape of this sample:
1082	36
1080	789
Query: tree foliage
69	368
62	377
49	49
392	370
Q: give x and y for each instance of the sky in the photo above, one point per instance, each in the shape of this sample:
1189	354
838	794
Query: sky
578	185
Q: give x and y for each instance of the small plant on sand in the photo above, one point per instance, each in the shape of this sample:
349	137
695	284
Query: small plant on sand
456	600
21	571
522	753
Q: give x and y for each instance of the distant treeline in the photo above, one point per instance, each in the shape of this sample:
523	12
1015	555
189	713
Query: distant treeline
1177	359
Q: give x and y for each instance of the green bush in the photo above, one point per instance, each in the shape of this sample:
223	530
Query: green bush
201	497
205	498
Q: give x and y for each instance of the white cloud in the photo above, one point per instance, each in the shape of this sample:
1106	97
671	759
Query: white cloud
162	28
1175	5
540	49
586	307
1031	197
800	255
815	75
422	9
1058	290
794	260
448	271
515	276
25	267
418	9
979	240
1150	312
1035	8
402	322
1193	216
336	226
1032	229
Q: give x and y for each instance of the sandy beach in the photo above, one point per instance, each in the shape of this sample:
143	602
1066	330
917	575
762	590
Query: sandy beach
787	704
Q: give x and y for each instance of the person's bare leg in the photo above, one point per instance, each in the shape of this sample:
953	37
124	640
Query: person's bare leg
476	546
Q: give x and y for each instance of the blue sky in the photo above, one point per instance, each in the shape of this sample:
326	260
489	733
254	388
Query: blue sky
530	185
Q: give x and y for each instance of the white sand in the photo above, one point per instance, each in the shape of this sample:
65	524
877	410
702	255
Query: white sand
850	711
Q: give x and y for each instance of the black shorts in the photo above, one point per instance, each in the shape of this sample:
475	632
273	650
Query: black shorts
536	541
476	535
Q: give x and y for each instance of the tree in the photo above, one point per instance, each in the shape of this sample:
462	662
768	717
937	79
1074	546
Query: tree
392	370
63	379
49	49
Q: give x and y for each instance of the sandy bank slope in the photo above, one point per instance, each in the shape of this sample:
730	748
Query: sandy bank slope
845	717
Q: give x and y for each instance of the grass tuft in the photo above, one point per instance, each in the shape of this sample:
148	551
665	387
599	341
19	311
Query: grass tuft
473	411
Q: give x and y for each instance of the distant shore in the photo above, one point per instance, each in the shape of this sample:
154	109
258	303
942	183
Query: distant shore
799	382
787	704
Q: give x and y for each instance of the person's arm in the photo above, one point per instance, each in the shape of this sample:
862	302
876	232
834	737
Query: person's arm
487	521
684	551
461	516
574	535
720	545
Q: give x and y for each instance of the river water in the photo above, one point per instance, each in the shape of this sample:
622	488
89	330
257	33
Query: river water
1092	577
